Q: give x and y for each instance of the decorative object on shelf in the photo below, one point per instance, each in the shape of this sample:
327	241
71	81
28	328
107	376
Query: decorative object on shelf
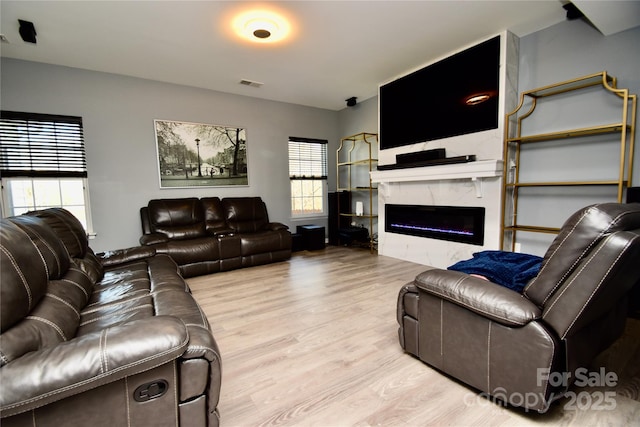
587	170
355	163
200	155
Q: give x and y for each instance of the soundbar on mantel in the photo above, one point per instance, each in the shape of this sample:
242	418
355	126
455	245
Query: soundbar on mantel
431	162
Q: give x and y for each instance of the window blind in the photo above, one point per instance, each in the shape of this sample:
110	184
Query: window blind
307	158
41	145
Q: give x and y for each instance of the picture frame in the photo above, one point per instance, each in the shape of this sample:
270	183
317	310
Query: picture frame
200	155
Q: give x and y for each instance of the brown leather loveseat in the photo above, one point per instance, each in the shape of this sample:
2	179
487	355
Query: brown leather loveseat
109	339
208	235
526	349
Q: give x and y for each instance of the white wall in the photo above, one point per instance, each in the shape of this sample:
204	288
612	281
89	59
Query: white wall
118	114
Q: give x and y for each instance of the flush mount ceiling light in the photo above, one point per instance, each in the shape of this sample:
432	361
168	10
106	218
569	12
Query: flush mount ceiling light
261	26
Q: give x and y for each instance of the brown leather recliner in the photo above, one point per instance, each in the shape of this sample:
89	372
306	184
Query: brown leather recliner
209	235
98	339
519	348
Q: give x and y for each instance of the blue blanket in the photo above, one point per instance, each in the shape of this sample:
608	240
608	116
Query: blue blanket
510	269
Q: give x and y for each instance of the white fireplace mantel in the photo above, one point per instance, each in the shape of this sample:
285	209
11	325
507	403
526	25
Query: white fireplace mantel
474	171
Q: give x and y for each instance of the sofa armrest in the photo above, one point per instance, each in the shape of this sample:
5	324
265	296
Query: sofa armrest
275	226
153	238
72	367
481	296
121	256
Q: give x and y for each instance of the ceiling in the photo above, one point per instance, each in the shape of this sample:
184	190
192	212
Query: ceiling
337	49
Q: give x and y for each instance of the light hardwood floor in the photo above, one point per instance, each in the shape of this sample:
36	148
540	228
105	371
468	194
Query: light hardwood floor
313	342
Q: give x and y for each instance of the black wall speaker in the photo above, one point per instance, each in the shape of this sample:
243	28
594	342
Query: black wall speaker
27	31
633	195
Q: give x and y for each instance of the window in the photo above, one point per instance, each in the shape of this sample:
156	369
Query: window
43	164
308	175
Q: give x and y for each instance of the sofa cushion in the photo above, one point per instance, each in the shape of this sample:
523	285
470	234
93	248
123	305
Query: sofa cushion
90	265
87	362
579	234
119	284
264	242
245	214
68	229
51	248
177	218
54	320
23	279
214	214
201	249
99	318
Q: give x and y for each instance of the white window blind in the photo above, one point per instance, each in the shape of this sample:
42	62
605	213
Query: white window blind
308	176
43	164
307	158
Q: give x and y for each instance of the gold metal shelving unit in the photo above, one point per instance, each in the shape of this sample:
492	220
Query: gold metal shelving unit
514	139
355	161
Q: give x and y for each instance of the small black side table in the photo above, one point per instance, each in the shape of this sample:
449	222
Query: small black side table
312	236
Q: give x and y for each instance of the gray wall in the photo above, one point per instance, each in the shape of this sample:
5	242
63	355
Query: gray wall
561	52
363	117
118	114
574	48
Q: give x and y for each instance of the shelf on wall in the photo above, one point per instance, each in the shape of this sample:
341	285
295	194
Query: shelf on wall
573	133
623	133
470	170
476	171
571	85
564	183
355	161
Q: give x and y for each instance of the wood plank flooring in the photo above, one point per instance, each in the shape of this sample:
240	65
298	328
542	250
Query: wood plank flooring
313	342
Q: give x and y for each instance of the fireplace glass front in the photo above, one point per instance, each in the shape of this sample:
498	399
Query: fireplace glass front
451	223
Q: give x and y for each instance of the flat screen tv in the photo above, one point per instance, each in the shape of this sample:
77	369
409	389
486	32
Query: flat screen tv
455	96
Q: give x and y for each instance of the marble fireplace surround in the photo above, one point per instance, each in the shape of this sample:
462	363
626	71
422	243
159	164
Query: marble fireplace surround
467	184
477	183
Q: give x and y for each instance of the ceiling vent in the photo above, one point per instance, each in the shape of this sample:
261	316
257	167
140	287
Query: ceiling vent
250	83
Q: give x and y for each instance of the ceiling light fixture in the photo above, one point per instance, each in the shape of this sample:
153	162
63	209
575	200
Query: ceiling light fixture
261	26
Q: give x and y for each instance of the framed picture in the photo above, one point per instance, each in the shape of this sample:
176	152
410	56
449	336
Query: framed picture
200	155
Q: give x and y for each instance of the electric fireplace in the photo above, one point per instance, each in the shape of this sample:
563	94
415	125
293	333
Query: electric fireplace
451	223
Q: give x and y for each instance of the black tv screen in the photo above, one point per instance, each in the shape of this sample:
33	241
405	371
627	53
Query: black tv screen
437	101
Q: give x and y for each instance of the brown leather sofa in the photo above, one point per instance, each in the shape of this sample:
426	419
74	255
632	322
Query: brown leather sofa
209	235
525	349
109	339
